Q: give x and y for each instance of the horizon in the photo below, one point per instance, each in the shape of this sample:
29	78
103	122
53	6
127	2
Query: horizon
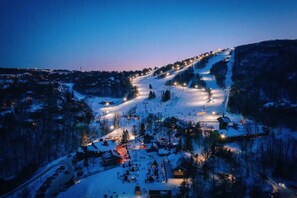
140	69
133	35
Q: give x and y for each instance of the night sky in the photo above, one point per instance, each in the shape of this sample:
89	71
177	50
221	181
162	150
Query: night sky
129	35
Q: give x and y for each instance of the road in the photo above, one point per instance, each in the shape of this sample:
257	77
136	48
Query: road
14	192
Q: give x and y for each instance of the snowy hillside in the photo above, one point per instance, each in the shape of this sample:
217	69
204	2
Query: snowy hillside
188	104
214	125
175	123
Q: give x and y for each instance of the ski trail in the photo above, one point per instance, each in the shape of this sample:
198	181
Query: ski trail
205	72
228	81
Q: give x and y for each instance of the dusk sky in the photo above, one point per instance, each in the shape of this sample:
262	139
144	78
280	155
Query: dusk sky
129	35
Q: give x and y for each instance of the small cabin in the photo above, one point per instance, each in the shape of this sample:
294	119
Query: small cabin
111	158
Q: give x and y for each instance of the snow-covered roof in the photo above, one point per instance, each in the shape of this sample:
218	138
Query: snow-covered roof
92	148
103	147
110	154
231	132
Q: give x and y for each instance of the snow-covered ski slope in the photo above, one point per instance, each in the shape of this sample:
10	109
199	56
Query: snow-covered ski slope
190	104
186	103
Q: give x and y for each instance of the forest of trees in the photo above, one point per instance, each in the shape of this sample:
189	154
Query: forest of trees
187	77
219	70
38	126
41	121
223	173
262	73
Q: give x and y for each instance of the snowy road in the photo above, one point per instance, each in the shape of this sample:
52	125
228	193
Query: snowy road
16	192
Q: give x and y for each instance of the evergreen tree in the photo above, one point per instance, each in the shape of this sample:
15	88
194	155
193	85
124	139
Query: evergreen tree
125	137
150	86
142	128
188	145
166	96
150	95
134	130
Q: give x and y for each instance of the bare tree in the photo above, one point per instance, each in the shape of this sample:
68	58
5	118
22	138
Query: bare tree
103	125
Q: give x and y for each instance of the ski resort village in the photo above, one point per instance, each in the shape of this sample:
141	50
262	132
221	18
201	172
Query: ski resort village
174	133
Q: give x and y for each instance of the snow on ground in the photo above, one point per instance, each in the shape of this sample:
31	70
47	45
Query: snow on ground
77	95
185	103
103	183
228	81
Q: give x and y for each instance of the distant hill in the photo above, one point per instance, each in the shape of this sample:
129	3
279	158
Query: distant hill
265	82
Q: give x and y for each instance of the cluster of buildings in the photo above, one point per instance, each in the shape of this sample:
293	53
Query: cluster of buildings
106	149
